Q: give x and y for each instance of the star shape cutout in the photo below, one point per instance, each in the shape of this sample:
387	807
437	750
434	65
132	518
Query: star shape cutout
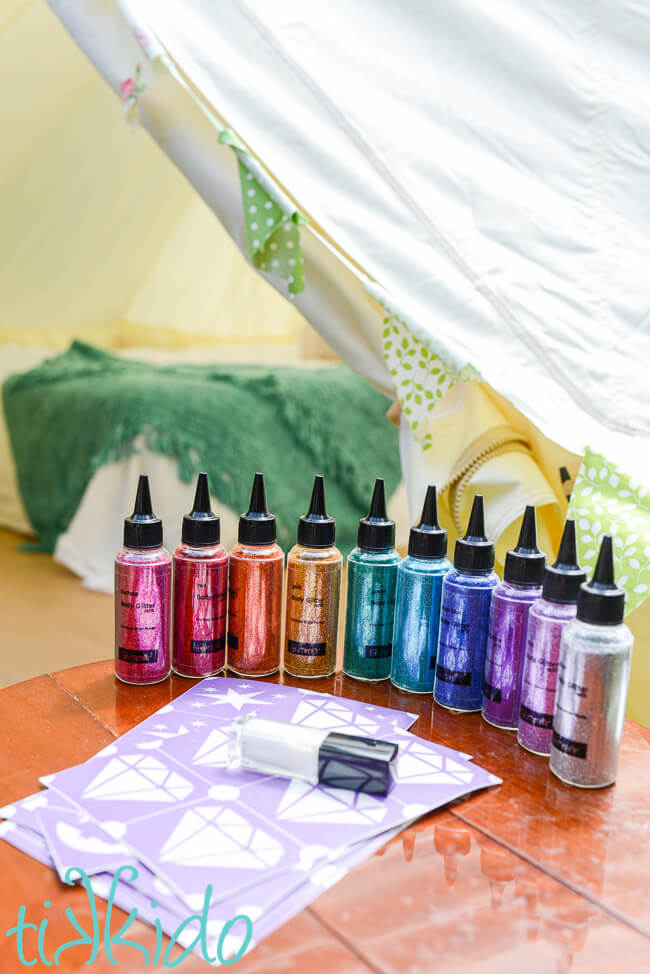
238	700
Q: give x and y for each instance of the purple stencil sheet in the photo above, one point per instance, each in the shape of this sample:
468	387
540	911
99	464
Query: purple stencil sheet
226	697
171	751
27	840
194	822
73	837
267	906
159	785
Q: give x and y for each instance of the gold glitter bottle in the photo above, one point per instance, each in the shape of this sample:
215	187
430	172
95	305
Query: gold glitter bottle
313	593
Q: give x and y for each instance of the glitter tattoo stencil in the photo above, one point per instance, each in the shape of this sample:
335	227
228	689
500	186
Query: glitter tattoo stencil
163	793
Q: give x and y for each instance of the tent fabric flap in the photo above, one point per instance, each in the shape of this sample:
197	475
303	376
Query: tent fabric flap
481	216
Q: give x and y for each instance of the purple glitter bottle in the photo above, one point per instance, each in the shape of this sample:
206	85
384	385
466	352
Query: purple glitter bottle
143	576
547	620
464	617
511	602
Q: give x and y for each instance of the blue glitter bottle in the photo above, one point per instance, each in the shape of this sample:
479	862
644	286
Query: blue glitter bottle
417	604
370	611
465	617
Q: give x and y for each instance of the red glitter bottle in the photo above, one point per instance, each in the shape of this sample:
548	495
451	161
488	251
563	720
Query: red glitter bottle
200	591
142	596
255	606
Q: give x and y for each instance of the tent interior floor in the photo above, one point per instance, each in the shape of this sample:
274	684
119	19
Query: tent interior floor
50	621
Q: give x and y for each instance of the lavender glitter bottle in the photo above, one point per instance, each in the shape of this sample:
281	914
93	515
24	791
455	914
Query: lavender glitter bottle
593	677
511	602
546	622
143	576
417	605
464	618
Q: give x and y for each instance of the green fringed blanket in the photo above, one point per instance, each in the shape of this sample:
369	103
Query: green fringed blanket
85	408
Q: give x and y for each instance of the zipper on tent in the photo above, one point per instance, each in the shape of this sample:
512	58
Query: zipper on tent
478	453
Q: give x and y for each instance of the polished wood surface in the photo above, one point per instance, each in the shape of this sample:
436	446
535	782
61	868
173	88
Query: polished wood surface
531	876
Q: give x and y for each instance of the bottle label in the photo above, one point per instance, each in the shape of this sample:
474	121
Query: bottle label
459	677
575	749
492	693
378	652
534	718
306	649
137	655
201	646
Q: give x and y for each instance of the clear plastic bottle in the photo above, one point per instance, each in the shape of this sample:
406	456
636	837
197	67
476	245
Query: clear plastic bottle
200	592
593	677
417	602
546	622
313	593
143	583
370	610
464	618
255	605
511	602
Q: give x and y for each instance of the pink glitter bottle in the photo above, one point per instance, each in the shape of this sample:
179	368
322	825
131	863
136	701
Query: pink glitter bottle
200	591
143	575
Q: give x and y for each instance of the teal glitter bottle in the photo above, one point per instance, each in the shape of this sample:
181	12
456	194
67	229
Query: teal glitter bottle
417	603
465	617
370	611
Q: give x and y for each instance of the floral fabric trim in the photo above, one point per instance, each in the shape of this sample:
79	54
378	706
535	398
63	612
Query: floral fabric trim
605	500
130	91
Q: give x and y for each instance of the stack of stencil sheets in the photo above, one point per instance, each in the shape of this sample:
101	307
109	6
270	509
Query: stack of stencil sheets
208	840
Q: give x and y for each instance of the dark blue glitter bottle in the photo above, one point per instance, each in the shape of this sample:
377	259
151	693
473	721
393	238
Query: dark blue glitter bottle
465	617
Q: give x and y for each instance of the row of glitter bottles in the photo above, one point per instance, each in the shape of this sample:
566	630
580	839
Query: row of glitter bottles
543	652
485	644
221	599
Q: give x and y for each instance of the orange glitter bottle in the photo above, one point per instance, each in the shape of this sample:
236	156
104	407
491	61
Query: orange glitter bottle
255	606
313	593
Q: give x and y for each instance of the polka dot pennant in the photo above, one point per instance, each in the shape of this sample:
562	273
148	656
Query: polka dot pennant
606	500
273	236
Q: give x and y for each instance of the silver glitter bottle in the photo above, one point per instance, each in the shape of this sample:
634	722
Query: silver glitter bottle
593	675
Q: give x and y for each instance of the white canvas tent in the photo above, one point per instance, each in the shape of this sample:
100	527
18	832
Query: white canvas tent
472	182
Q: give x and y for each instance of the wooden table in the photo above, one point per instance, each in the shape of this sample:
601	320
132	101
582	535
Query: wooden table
530	877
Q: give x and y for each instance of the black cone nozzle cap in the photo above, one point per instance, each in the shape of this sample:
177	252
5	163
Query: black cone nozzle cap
201	528
143	529
562	579
377	531
427	539
474	553
525	564
257	526
315	528
600	601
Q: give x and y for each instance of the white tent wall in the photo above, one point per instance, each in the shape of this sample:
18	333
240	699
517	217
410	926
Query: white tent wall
104	250
499	253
